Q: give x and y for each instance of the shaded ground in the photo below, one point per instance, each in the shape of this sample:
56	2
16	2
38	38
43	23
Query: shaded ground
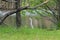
11	33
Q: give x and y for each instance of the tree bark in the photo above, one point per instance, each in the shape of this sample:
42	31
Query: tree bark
18	15
18	10
58	16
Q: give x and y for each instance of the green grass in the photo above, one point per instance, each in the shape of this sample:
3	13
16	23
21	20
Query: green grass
11	33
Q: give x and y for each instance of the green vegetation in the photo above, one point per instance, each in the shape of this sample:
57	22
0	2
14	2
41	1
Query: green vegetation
46	16
11	33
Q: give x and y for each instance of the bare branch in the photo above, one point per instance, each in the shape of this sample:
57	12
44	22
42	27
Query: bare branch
51	11
20	9
10	13
39	5
48	18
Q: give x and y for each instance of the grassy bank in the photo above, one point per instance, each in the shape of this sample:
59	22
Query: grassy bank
11	33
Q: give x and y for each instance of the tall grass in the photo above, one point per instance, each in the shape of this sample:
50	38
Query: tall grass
25	33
